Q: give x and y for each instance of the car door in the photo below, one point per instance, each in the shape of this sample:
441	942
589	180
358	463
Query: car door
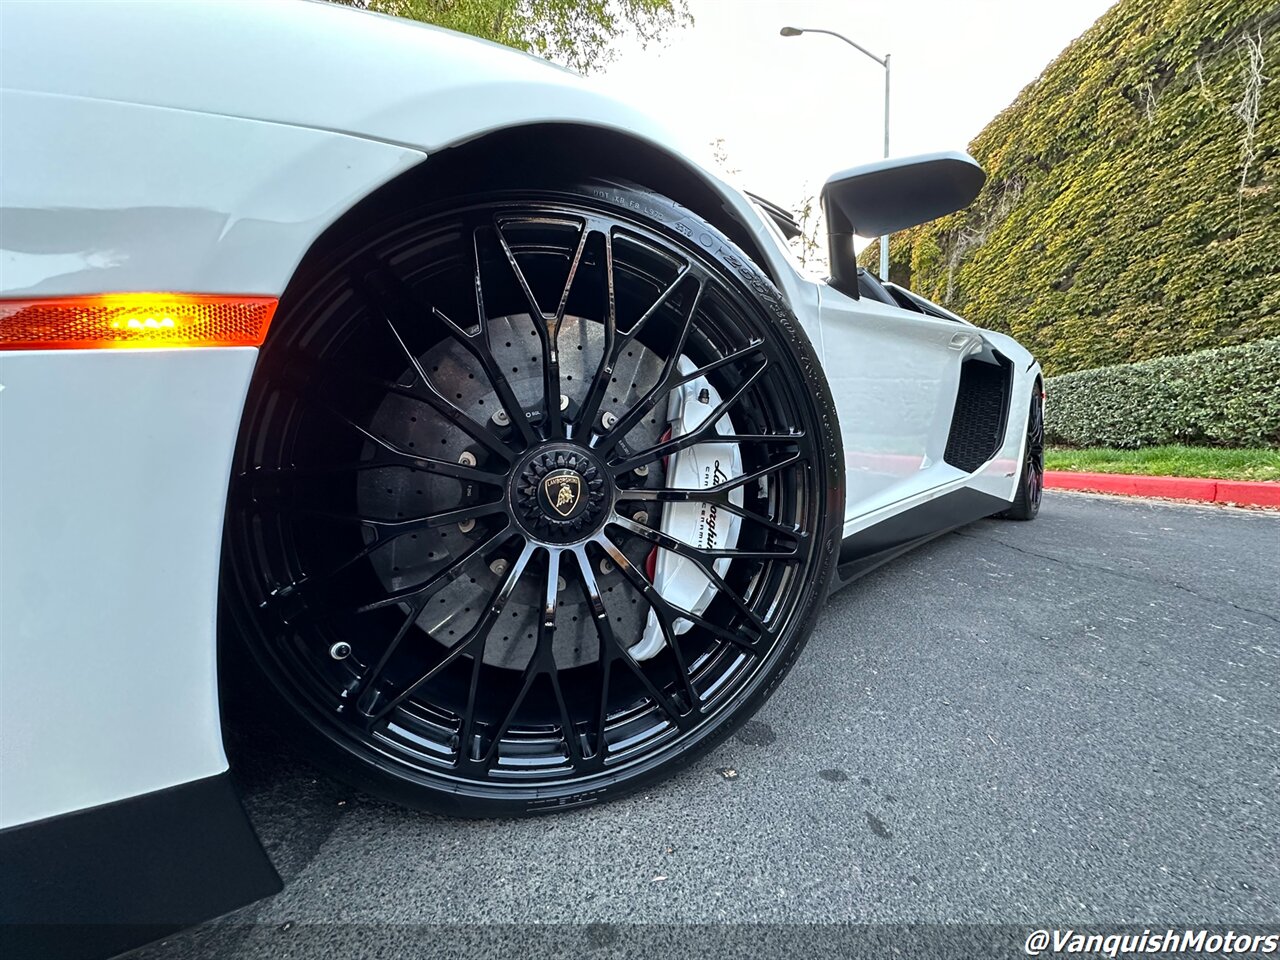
894	375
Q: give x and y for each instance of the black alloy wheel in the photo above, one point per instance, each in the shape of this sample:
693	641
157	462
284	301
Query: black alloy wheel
450	498
1031	483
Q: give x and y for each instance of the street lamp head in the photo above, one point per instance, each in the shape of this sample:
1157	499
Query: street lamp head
790	32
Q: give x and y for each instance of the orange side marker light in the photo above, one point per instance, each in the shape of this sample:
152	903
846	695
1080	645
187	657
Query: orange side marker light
132	320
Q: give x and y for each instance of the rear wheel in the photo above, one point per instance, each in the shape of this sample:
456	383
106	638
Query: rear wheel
1031	483
535	499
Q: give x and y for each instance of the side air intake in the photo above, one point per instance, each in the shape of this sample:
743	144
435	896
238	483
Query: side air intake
982	410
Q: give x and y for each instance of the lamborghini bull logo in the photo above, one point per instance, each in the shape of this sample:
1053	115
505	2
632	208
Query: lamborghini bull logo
563	491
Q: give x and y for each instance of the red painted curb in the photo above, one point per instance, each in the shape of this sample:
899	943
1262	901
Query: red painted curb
1251	492
1247	493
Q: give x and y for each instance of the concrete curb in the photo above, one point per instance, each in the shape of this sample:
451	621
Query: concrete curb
1244	493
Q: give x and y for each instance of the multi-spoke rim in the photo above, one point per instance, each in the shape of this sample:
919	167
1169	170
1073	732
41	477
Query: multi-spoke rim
416	660
1035	451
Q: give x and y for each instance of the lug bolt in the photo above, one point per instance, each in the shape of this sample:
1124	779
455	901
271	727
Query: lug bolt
642	470
499	567
640	517
607	419
466	526
467	458
340	650
502	419
561	584
564	402
606	565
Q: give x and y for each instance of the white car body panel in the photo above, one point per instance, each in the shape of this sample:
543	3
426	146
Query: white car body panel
111	500
118	176
894	375
108	196
434	88
900	374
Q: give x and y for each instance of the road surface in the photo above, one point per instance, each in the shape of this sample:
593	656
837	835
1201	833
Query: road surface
1074	721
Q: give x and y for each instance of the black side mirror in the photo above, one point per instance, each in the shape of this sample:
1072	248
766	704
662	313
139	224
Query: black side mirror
880	198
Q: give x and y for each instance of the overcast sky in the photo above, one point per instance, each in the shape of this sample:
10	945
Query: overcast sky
793	110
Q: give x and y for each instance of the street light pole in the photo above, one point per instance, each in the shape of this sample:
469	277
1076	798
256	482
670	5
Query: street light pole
795	32
884	240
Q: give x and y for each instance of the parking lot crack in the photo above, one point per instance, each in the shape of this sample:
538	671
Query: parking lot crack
1084	565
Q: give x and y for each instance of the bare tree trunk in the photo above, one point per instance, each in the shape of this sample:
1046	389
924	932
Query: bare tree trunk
1253	61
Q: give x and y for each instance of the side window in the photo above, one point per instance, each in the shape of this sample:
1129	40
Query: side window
872	289
905	300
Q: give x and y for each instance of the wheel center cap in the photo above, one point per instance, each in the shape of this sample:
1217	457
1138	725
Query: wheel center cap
560	494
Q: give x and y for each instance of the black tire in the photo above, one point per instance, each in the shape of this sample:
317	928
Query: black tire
449	725
1026	505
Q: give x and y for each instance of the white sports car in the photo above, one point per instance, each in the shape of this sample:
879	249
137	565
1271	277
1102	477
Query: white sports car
507	443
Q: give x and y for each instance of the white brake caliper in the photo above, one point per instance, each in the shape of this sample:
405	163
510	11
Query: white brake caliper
705	526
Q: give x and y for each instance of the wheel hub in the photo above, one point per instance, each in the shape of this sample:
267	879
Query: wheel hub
560	494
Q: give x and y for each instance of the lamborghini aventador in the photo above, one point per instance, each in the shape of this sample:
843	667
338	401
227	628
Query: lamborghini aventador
441	396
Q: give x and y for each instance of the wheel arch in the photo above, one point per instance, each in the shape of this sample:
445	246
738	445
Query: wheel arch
539	154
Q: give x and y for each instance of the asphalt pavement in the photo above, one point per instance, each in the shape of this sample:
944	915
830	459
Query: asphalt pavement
1069	722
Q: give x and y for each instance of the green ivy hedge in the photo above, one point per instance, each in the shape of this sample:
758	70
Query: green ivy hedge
1228	397
1130	210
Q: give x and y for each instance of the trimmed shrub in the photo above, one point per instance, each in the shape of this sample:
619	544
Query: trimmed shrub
1228	397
